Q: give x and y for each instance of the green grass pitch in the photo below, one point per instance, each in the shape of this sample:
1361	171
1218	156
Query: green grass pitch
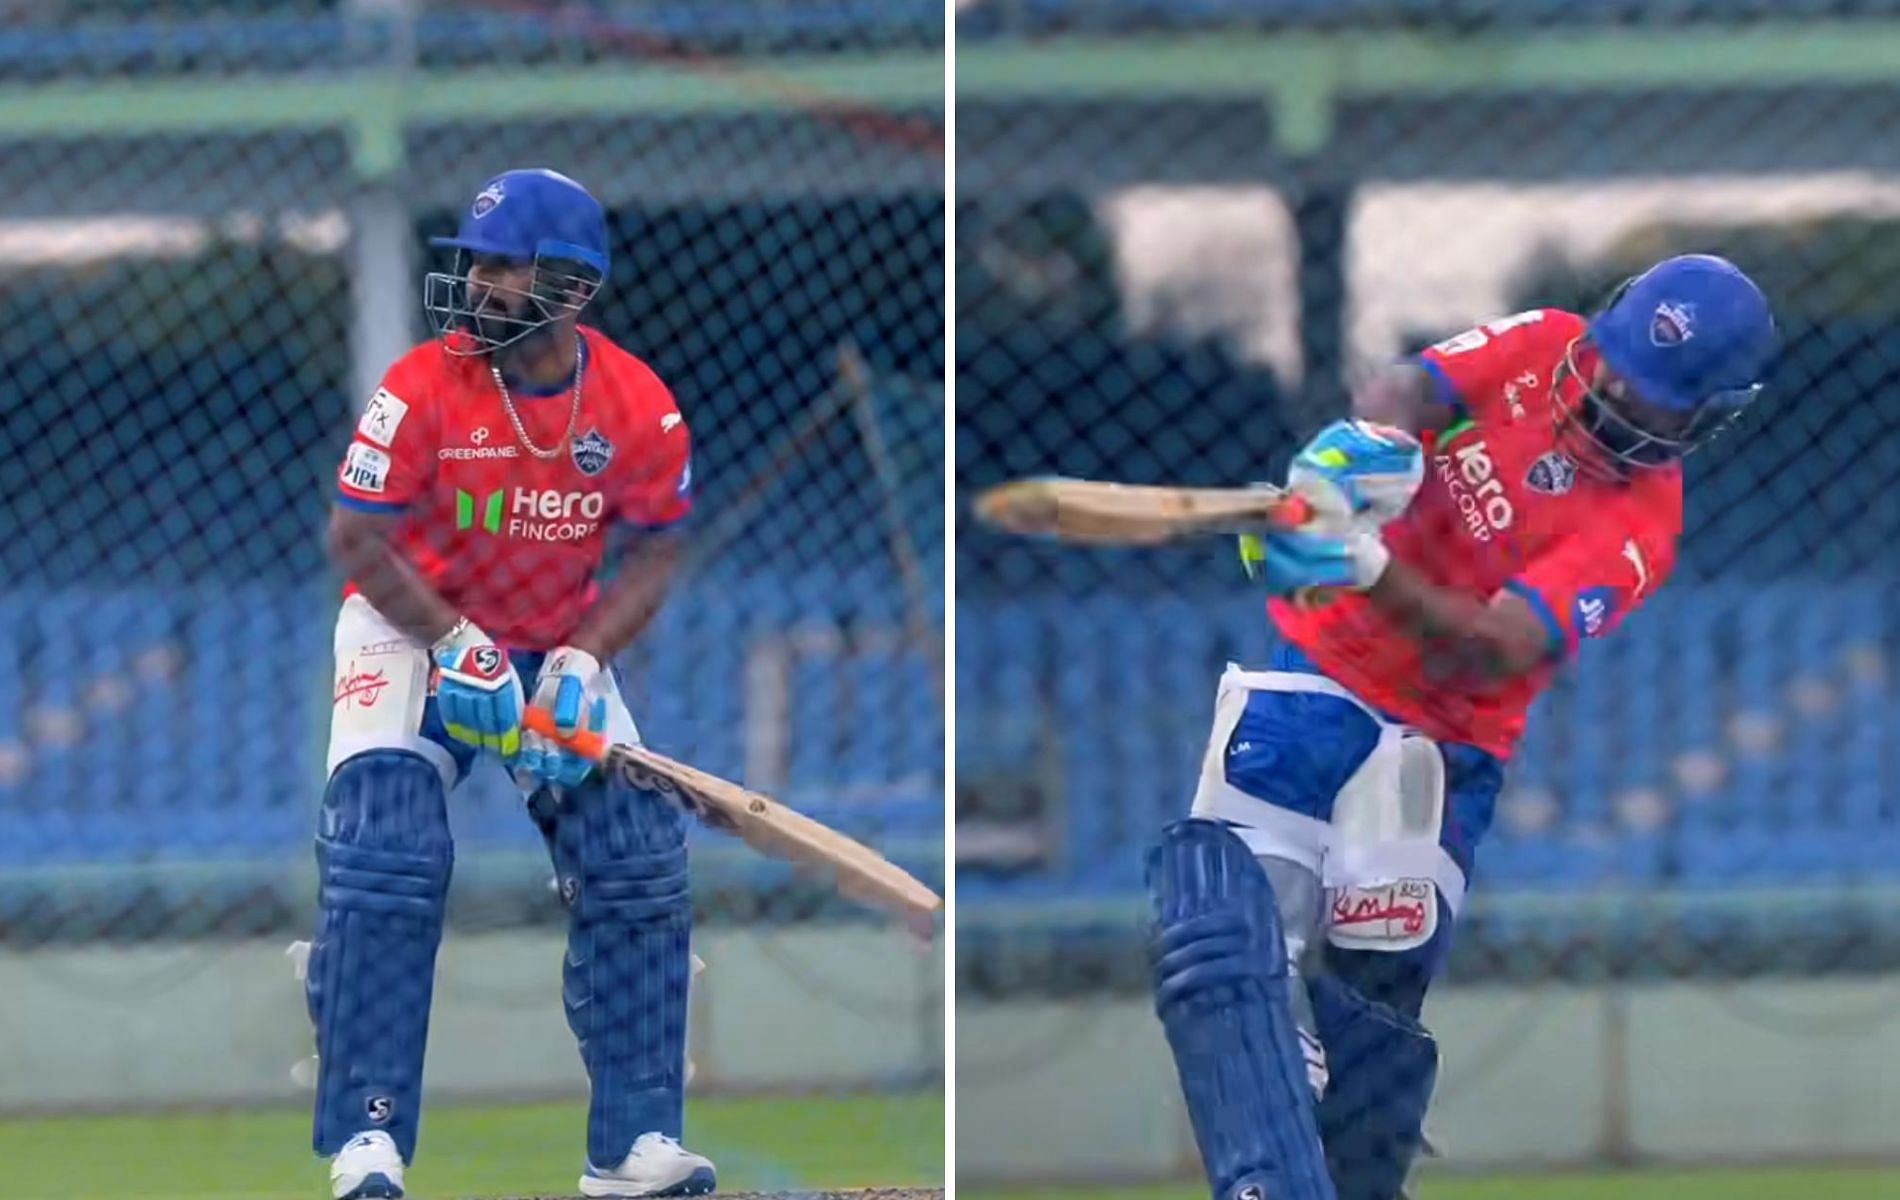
774	1144
1777	1183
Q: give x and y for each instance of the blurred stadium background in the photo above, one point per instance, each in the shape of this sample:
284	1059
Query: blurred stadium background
1182	229
209	250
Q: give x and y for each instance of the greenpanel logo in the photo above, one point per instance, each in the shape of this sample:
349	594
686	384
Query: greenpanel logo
465	510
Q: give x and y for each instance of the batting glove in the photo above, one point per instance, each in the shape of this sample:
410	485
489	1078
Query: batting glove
1289	561
1336	548
477	692
1364	471
567	689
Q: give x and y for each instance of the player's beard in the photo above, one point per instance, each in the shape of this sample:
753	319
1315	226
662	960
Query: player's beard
500	324
517	358
1573	420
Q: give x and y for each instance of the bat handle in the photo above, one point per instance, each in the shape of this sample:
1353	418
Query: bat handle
1292	511
584	742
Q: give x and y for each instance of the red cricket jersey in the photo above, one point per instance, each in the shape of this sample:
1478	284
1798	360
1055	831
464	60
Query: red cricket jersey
510	539
1503	506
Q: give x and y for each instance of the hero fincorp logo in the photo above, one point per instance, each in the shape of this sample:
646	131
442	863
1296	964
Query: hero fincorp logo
1471	477
545	515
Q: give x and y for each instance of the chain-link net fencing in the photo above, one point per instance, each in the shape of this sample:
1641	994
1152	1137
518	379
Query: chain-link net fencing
215	234
1183	233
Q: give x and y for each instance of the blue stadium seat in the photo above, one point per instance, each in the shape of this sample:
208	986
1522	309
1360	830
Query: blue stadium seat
1693	680
1770	857
1879	853
1859	807
13	682
817	693
1755	795
1573	859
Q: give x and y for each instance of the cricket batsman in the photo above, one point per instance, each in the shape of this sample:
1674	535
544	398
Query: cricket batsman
474	507
1507	493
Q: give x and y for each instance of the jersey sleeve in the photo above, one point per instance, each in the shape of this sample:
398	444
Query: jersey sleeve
392	451
659	493
1469	371
1585	585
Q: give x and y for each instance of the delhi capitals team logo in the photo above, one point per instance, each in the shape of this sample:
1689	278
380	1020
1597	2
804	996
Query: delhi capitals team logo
592	452
1553	474
1673	324
488	201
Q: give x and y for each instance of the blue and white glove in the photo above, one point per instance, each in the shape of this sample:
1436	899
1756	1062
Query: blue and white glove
1360	470
1290	561
477	691
1357	476
566	688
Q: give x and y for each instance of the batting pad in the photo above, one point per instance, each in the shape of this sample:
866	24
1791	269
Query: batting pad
1221	991
1384	1066
384	858
621	859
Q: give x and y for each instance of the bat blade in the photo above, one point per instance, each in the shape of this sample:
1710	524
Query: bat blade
776	831
858	872
1122	514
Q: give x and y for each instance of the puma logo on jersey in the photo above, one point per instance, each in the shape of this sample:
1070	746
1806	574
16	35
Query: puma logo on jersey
669	421
1635	555
1472	479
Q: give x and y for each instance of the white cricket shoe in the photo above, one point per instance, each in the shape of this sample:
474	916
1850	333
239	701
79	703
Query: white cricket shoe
656	1166
367	1166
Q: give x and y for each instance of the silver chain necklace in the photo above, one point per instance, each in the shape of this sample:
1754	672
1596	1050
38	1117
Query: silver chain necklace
514	418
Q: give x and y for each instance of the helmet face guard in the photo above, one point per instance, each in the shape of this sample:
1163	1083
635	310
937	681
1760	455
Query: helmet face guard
499	316
1605	416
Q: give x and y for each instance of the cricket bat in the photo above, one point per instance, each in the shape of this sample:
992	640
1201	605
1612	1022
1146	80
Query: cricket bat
1126	514
860	873
1095	513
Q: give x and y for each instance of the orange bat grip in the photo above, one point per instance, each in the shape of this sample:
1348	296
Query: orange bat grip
1292	511
584	742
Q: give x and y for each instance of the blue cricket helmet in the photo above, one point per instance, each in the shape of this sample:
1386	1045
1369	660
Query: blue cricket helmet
532	214
1692	335
534	217
1689	331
